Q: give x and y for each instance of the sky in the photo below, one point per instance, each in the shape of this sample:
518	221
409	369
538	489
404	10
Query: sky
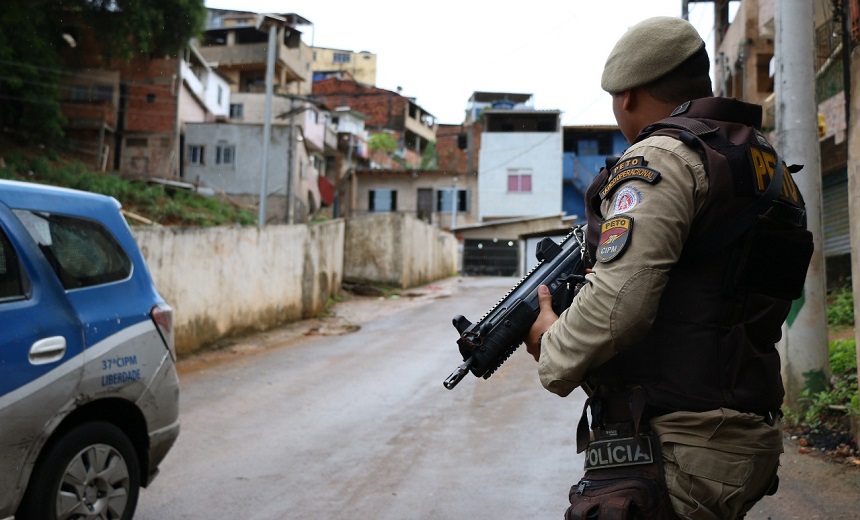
442	51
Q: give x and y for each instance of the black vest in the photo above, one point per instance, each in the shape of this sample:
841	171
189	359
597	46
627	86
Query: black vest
712	343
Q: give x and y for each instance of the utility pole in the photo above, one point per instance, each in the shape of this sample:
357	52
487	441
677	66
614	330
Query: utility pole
804	349
267	125
291	160
854	189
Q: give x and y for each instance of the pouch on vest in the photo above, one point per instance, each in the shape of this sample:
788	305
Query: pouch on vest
773	260
624	477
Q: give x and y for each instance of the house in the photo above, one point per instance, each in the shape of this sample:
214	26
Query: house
237	41
227	157
303	138
585	151
354	154
520	159
410	128
361	66
129	116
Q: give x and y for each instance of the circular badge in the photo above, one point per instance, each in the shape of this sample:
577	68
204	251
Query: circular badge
626	199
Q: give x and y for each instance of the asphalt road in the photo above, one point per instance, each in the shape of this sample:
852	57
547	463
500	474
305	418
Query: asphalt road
304	422
359	426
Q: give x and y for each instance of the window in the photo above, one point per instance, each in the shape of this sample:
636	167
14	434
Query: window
382	200
11	278
82	252
237	110
196	154
150	98
519	180
225	154
443	200
220	94
341	57
104	93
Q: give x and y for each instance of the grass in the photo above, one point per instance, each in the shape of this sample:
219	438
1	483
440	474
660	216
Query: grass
159	204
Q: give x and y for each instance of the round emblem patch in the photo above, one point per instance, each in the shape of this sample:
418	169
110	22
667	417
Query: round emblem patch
626	199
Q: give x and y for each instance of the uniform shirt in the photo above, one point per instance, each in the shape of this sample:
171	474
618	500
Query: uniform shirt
620	303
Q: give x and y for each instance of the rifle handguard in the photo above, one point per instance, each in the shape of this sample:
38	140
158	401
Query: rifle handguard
488	343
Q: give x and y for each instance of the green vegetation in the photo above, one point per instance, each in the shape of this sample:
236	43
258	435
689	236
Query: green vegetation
830	404
840	308
154	202
38	40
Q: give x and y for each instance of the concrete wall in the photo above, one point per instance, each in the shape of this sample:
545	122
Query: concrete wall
397	249
539	152
223	281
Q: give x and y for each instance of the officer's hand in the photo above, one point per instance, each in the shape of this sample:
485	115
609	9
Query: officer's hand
546	318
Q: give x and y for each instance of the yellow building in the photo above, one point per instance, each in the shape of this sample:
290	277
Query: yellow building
360	65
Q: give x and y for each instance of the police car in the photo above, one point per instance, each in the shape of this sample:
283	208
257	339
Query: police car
88	386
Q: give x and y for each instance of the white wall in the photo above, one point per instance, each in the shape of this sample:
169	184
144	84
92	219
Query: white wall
223	281
500	151
226	280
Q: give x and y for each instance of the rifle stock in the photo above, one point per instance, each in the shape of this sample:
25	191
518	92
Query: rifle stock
488	342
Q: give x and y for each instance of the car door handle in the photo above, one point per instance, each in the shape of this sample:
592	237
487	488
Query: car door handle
47	350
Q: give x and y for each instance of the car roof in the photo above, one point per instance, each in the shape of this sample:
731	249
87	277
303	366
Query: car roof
42	197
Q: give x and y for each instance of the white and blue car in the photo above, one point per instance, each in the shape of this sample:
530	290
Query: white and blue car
89	395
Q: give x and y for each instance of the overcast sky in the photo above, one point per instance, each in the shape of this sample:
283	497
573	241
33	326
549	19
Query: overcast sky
441	51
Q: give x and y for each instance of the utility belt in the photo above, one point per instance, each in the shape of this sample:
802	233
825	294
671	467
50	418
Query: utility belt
624	477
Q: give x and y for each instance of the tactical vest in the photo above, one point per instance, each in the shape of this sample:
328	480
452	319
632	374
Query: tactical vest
712	343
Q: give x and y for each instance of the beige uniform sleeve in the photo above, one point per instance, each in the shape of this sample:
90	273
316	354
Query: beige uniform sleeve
619	304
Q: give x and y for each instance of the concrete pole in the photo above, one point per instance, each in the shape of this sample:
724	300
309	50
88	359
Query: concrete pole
854	198
291	160
267	125
803	349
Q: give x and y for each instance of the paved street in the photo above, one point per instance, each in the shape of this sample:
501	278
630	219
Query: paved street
359	426
310	422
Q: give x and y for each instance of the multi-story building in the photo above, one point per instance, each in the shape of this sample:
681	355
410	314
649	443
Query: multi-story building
520	161
585	151
303	136
129	116
238	41
361	66
411	128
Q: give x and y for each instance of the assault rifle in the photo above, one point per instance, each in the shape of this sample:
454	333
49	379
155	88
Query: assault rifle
488	343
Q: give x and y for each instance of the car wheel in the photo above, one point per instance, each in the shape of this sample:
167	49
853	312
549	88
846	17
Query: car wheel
91	472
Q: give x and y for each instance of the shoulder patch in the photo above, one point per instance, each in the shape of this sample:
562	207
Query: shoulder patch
626	174
626	164
614	237
626	199
763	168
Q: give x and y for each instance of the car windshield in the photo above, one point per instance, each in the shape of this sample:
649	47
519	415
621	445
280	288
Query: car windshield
82	252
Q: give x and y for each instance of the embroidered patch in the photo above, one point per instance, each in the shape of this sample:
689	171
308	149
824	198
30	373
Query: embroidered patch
630	162
614	237
626	199
614	453
763	169
635	172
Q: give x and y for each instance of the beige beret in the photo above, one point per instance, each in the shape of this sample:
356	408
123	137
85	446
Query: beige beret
649	50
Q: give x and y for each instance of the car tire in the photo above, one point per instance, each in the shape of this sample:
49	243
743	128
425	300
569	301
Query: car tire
91	472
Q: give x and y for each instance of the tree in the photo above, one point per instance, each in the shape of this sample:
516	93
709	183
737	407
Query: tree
35	36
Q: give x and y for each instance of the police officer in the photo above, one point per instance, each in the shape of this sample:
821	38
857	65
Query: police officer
673	334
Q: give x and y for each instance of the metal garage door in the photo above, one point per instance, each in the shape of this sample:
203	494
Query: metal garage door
834	189
490	257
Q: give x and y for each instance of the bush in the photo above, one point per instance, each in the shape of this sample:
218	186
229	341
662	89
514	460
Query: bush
840	308
833	407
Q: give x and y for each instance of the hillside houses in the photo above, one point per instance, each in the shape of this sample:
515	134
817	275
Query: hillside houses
339	145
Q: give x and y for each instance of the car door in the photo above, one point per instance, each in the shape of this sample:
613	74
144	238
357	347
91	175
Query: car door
41	348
